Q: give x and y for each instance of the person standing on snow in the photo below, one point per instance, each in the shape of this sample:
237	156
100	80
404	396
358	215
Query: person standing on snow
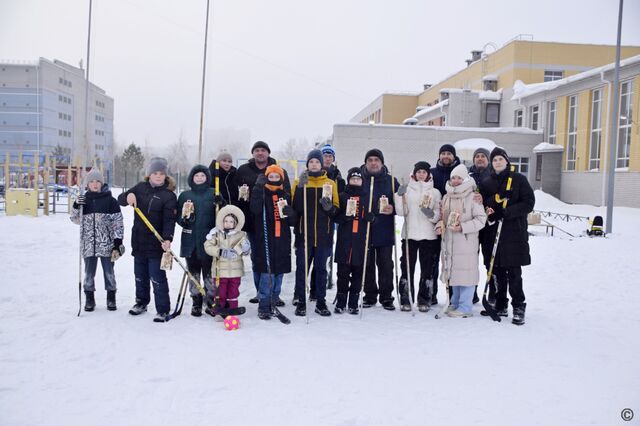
102	232
226	176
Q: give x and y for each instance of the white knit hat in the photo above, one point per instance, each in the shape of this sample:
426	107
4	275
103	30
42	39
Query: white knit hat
461	171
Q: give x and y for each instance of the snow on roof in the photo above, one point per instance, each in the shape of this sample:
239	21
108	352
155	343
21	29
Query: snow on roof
456	90
423	112
521	90
490	95
474	143
490	77
548	147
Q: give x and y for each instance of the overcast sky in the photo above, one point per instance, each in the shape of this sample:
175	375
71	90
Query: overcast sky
281	68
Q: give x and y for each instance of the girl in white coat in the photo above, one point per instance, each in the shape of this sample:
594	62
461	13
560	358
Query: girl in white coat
462	219
420	203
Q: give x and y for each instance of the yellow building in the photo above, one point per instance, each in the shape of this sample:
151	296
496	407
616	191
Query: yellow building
524	60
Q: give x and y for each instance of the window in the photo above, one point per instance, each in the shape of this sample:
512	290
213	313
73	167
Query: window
596	129
492	114
538	167
626	113
521	164
551	121
550	75
572	132
517	118
491	85
534	117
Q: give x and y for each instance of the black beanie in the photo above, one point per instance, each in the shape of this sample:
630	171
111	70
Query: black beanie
501	152
314	153
260	144
374	153
421	165
447	148
354	171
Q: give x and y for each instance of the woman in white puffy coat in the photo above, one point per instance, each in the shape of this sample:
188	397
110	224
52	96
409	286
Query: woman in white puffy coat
419	203
462	219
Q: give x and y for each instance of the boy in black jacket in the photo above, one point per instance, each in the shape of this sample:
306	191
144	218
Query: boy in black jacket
155	197
350	246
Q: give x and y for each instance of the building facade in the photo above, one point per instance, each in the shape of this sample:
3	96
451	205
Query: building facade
42	110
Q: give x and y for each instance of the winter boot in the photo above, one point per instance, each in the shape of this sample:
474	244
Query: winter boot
111	300
341	302
321	308
254	300
138	308
354	311
196	307
368	303
388	305
518	314
423	308
301	309
279	303
161	317
90	301
295	300
338	310
264	315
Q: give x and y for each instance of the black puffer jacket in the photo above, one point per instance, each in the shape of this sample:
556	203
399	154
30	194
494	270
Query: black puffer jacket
352	230
159	205
479	175
382	232
101	223
513	247
198	225
228	188
247	175
441	175
279	245
334	174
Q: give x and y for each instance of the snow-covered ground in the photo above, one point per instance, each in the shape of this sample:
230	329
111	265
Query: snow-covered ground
574	362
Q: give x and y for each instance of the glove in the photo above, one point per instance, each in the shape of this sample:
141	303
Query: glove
427	212
219	200
288	211
81	200
498	214
262	180
118	249
370	217
303	179
402	189
228	254
326	204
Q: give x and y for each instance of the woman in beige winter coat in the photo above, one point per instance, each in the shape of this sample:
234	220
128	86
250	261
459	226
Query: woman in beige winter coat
227	243
463	218
419	203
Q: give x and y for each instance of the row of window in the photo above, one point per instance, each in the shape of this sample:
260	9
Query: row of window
99	118
64	116
374	117
64	99
64	133
595	128
64	82
100	147
100	104
26	123
99	132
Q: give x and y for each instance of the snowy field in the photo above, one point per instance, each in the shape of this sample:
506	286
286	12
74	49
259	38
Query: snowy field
575	362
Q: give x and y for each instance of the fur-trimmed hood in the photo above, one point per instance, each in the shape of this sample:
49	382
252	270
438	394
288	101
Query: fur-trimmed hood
168	181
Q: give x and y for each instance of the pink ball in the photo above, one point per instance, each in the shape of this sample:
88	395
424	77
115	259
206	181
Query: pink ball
231	322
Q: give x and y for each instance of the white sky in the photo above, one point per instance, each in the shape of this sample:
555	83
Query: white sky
281	68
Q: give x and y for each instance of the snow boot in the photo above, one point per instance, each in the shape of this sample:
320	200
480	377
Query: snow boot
518	314
388	305
301	309
459	314
161	317
368	304
338	310
279	303
354	311
111	300
404	292
295	301
321	309
265	315
405	308
341	302
196	307
138	308
423	308
254	300
90	301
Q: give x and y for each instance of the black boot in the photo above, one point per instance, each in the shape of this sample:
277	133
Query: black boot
405	304
321	308
301	309
90	301
196	307
341	302
518	314
111	300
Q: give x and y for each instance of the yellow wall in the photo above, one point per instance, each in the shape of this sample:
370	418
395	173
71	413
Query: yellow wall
395	108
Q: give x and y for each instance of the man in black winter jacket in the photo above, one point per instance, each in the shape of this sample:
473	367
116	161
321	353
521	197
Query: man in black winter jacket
245	180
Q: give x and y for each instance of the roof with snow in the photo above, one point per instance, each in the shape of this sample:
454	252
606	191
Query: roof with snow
548	147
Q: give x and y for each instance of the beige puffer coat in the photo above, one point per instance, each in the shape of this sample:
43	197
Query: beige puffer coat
420	226
233	243
460	249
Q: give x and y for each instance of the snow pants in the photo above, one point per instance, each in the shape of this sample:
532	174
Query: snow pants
228	292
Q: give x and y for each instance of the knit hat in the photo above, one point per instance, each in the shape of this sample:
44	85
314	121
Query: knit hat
421	165
94	174
157	164
354	171
314	153
447	148
461	171
499	151
260	144
374	153
274	168
224	156
483	151
328	149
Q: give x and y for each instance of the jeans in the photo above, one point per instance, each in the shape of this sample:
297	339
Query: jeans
90	267
319	256
269	291
462	298
148	269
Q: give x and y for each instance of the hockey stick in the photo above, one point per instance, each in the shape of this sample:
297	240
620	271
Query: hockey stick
306	253
410	283
366	249
181	295
395	240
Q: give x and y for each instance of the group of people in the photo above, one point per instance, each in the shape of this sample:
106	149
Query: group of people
451	214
